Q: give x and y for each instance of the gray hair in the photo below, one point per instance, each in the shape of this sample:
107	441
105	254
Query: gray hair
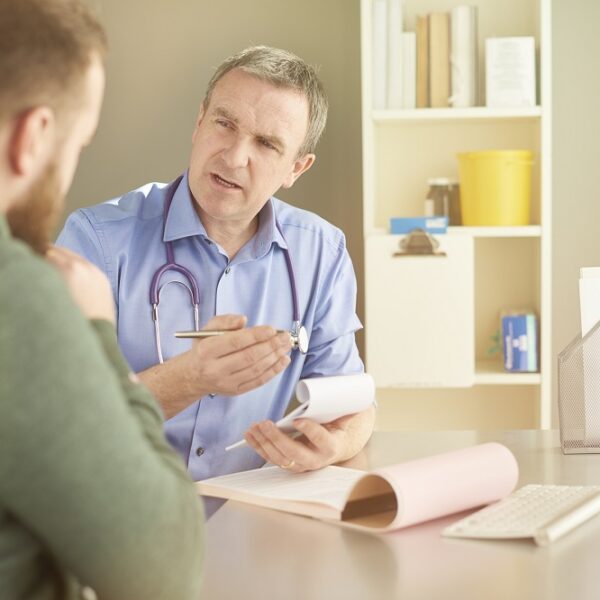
286	70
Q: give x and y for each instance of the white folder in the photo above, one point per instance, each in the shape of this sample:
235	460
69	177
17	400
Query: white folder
420	314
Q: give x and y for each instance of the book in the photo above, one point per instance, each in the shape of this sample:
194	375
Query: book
395	54
519	337
434	224
325	399
463	56
383	499
510	72
380	50
422	61
439	59
409	70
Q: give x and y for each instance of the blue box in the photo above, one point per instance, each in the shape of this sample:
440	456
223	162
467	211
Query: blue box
428	224
520	342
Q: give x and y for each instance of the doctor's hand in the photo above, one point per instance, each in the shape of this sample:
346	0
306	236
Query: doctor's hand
88	286
236	362
240	360
317	446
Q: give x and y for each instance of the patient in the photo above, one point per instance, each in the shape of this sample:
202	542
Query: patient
93	502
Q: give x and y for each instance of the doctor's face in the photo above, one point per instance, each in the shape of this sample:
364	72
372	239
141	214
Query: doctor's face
245	147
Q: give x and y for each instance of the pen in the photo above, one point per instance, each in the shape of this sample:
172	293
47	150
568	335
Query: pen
236	445
294	435
210	333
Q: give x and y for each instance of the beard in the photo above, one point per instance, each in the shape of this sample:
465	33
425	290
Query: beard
33	217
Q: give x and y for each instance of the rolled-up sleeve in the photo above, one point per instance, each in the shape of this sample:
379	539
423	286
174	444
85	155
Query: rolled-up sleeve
333	349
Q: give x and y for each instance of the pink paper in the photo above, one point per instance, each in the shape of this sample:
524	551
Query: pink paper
443	484
447	483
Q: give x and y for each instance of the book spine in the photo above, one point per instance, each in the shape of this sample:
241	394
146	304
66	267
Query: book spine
422	61
439	59
395	48
379	41
463	56
409	69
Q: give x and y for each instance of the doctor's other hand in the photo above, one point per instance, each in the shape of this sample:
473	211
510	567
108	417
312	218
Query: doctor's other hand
318	446
89	287
240	360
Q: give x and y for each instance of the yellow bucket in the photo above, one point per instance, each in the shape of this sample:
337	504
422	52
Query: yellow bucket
495	187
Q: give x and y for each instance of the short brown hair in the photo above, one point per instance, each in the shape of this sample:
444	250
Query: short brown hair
46	47
282	69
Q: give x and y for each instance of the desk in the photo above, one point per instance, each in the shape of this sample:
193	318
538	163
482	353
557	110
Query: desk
256	553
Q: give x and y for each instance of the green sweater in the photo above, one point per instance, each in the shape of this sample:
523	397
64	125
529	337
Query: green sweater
91	494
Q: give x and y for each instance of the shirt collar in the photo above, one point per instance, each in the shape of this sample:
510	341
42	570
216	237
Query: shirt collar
268	233
183	220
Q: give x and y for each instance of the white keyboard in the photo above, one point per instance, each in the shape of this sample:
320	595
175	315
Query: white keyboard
542	512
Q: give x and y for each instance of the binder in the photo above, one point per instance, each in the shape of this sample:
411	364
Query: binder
420	312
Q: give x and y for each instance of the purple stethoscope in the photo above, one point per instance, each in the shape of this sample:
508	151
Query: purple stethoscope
298	333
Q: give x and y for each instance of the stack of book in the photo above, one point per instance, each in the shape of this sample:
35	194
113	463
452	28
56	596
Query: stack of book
434	66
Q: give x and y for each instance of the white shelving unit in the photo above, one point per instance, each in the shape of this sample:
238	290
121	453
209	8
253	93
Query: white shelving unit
512	265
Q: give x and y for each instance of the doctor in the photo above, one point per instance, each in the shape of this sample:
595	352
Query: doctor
216	242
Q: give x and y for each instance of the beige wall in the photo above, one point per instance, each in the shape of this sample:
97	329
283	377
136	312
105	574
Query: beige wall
162	54
576	155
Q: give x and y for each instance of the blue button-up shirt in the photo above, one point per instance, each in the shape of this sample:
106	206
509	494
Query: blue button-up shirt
125	238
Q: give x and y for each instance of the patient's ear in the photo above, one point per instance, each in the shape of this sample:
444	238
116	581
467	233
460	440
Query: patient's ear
31	141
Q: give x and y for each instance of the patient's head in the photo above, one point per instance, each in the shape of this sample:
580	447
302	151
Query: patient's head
51	88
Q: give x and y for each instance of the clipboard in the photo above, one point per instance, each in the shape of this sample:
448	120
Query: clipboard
420	310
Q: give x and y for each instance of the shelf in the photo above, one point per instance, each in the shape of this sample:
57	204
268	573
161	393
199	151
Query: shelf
525	231
491	372
402	149
489	232
476	113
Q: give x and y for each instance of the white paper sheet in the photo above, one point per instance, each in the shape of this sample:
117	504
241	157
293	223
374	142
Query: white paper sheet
324	399
510	72
589	302
589	297
329	486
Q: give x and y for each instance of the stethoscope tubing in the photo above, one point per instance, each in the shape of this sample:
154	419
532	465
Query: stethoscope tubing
194	290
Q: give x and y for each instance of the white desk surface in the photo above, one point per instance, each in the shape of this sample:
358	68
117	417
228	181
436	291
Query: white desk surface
255	553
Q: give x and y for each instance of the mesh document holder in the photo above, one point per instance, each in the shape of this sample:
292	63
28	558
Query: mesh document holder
579	394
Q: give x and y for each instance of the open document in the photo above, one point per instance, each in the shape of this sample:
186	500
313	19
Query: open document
324	399
382	500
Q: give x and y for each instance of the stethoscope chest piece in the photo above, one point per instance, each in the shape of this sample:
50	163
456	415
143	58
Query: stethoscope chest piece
299	337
